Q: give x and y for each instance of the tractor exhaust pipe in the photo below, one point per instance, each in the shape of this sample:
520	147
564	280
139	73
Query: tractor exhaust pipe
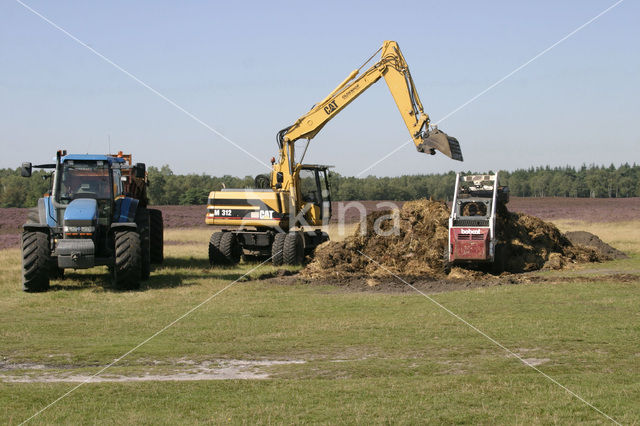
435	139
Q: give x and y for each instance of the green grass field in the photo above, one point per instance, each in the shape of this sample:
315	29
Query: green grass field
320	353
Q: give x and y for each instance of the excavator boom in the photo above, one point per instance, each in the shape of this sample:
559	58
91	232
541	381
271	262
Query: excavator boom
393	67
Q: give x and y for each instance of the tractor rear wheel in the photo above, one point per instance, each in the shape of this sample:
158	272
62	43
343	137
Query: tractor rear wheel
127	269
156	236
142	220
277	249
36	261
293	250
230	249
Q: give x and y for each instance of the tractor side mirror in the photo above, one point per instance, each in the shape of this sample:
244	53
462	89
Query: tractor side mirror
141	170
25	170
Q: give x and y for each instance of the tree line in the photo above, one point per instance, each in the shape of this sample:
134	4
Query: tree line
166	187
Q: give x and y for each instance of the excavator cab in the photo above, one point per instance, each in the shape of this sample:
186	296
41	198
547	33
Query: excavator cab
314	194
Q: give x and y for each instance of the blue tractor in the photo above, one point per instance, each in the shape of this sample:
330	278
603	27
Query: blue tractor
95	214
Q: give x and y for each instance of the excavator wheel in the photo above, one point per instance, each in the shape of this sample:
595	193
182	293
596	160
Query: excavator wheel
293	250
230	248
277	249
215	257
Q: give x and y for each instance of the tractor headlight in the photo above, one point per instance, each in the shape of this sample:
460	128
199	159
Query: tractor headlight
79	229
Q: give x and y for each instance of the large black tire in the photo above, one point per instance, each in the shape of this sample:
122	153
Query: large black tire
230	249
446	263
277	249
127	268
156	236
36	261
293	250
144	231
215	256
499	259
262	182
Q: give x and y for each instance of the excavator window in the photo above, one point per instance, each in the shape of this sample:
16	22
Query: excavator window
309	187
314	189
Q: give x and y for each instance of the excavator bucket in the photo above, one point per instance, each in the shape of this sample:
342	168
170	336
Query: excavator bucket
437	139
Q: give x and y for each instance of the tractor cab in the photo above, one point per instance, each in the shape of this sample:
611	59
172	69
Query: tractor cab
88	177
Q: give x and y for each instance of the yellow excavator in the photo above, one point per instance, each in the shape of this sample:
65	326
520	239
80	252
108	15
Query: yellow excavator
281	216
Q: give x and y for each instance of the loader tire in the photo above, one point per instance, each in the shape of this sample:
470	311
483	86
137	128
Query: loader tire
293	250
215	256
143	222
156	238
499	260
277	249
230	249
36	261
127	268
446	263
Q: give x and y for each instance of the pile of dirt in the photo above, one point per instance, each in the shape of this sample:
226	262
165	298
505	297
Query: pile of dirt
528	243
411	242
416	245
584	238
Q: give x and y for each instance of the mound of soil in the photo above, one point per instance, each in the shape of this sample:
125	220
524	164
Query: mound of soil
411	242
584	238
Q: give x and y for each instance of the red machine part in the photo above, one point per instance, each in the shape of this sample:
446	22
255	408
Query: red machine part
469	243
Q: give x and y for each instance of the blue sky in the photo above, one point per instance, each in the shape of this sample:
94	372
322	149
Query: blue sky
250	68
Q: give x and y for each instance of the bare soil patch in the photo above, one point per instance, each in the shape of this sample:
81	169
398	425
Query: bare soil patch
232	369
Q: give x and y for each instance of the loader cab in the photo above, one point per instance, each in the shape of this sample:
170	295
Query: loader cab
314	193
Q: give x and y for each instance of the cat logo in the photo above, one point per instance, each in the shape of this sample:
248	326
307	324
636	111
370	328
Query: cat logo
266	214
331	107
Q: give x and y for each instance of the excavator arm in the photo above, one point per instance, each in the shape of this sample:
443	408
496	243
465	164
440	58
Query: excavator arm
393	67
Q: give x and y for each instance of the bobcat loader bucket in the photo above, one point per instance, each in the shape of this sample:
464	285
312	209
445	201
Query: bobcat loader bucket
438	140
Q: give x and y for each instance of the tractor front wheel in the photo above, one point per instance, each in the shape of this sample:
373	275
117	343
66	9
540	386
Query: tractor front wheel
36	261
127	269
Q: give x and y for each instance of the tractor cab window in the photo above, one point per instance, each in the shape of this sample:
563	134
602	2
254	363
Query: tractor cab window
118	187
86	179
